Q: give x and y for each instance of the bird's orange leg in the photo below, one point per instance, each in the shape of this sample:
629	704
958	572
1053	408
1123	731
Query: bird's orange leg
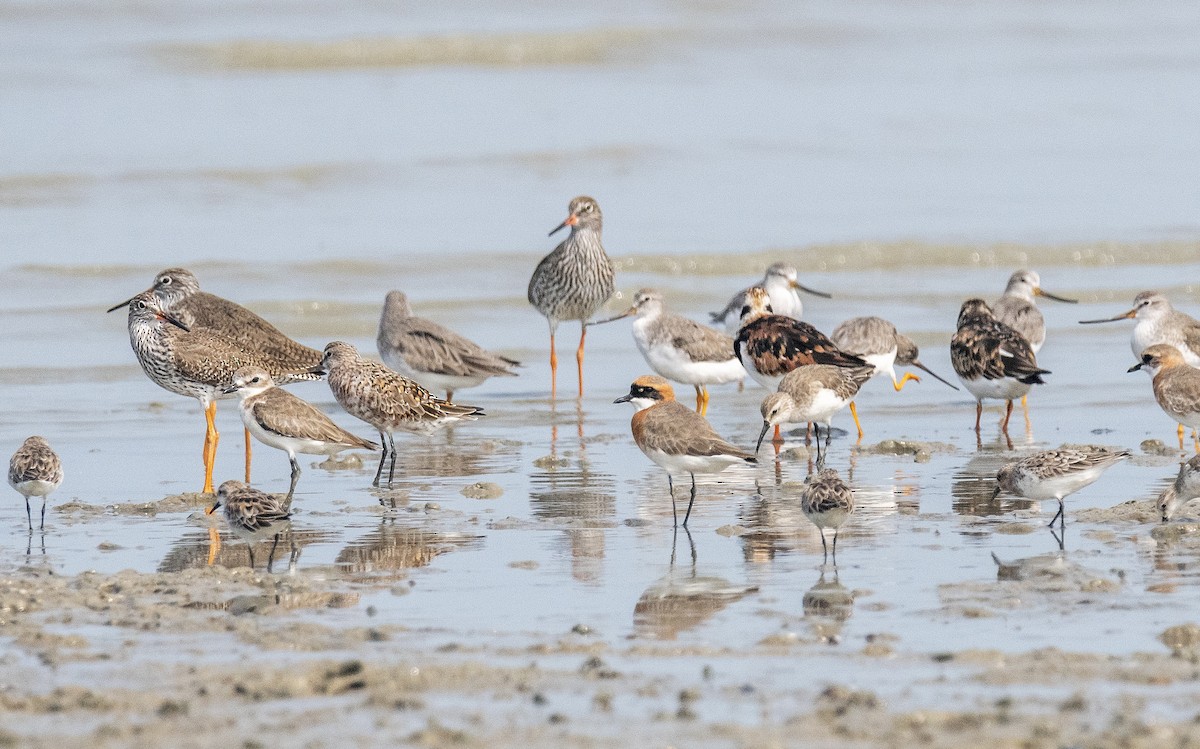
211	437
1180	433
214	545
1007	413
854	413
247	455
579	357
553	367
778	438
704	388
907	376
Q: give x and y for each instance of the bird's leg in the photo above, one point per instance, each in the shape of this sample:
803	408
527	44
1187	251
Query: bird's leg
835	535
778	438
1195	442
579	356
824	548
43	525
820	455
704	388
28	514
392	465
1058	514
1008	409
211	437
214	545
295	478
699	400
271	556
247	431
553	367
691	501
907	376
978	414
250	547
857	425
828	437
383	451
671	488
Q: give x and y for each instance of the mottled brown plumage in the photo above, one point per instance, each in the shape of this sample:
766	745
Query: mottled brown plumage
35	471
1176	384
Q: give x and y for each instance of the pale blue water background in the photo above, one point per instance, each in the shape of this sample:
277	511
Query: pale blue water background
904	156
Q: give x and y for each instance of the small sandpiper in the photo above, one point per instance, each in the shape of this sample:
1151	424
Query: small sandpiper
1159	322
432	354
1176	385
813	394
992	359
283	421
178	291
1016	307
781	286
1054	474
386	400
827	502
574	280
683	350
1182	490
677	438
878	343
35	470
252	515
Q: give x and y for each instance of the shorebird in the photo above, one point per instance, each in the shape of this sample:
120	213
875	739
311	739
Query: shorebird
827	502
992	360
252	515
878	343
1184	489
812	394
769	345
432	354
677	438
574	280
1159	322
682	350
35	470
178	292
1016	307
386	400
1054	474
1176	385
283	421
781	286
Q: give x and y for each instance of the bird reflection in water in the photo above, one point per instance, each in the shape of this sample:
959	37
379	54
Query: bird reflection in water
198	549
682	600
973	488
827	606
389	551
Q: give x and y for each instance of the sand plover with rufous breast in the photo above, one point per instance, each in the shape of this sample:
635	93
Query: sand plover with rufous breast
279	419
680	349
1176	385
827	502
35	470
252	515
574	280
878	342
812	394
1055	474
386	400
677	438
992	360
781	286
432	354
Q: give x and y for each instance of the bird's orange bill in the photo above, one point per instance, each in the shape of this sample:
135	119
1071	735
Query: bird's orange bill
1127	316
570	221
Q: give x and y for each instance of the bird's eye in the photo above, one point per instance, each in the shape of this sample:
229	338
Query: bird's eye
165	281
587	208
140	305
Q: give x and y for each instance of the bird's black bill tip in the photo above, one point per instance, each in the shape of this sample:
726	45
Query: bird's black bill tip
116	307
624	398
1134	368
758	445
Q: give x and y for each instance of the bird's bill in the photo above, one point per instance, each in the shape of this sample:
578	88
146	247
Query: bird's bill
761	435
168	319
317	369
1127	316
627	313
212	509
996	491
571	221
932	374
1039	291
814	292
1135	367
624	398
230	390
116	307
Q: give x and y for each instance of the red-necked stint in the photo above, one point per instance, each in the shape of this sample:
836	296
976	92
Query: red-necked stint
681	349
827	502
281	420
386	400
676	438
35	470
781	286
1054	474
574	280
252	515
432	354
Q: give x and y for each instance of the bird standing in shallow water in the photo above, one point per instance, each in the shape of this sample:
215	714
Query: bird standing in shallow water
432	354
574	280
992	360
1176	385
283	421
677	438
178	292
386	400
781	286
878	343
682	350
827	502
812	394
252	515
35	470
1054	474
1017	309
